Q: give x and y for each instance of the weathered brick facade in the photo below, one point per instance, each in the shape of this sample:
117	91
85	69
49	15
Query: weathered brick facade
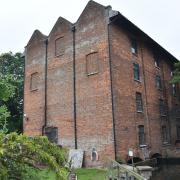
86	87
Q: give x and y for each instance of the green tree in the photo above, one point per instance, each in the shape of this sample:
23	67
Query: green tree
6	91
22	157
12	65
176	76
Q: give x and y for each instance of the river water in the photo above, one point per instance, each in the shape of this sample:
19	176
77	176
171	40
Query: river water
167	172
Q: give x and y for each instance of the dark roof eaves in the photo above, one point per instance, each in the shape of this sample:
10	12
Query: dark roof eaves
118	14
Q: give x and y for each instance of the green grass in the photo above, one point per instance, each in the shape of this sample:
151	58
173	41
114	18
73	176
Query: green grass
91	174
46	175
83	174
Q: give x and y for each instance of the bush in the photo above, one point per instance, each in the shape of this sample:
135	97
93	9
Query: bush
21	156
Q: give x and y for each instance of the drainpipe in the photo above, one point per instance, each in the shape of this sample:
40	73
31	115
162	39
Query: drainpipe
146	101
45	89
74	86
112	94
167	106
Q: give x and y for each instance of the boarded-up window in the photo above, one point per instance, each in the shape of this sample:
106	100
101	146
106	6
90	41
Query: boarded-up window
92	65
34	81
59	46
52	134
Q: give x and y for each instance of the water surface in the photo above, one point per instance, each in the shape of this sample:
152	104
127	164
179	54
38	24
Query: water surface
167	172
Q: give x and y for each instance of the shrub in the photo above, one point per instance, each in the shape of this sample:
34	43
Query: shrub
21	156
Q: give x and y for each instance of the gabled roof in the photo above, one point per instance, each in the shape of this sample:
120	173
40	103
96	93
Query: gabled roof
114	16
118	18
36	35
59	21
89	4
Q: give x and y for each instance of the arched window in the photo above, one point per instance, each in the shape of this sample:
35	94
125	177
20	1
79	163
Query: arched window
94	155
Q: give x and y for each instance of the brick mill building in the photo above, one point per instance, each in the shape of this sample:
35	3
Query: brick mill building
101	85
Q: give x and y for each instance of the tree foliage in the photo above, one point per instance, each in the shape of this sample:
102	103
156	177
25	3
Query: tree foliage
20	156
176	76
6	91
12	71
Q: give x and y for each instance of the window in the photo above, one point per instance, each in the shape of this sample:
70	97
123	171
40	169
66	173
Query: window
172	74
156	60
94	155
139	105
92	66
136	72
34	81
52	134
174	89
134	48
178	132
162	107
164	134
158	82
141	135
59	46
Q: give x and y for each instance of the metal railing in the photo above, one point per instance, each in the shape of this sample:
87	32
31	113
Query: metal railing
118	171
149	162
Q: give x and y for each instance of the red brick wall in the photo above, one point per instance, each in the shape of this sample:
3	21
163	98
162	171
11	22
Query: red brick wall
125	87
94	108
60	84
34	100
93	91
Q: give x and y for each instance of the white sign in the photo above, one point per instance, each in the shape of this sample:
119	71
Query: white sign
75	158
130	153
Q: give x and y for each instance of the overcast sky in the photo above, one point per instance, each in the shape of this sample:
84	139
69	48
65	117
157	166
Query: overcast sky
19	18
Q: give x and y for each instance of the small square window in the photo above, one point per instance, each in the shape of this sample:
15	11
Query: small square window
139	104
52	134
92	64
136	72
34	81
134	48
59	46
